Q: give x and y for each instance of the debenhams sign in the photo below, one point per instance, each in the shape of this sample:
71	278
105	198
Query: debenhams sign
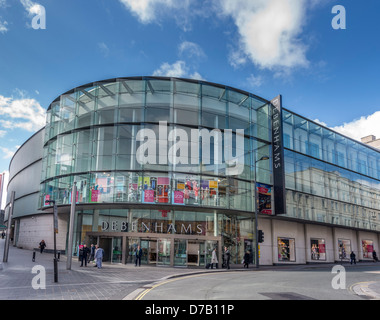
278	157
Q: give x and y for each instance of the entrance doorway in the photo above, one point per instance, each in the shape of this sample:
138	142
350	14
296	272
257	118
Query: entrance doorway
180	253
117	249
164	246
149	251
106	245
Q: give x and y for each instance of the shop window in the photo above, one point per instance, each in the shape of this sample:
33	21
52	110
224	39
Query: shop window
367	246
344	247
318	249
286	249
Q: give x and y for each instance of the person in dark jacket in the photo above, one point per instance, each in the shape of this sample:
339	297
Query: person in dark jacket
353	257
246	259
227	257
42	245
374	256
138	255
83	252
92	253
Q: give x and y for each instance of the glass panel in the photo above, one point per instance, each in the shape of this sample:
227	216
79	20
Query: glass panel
180	253
163	252
116	249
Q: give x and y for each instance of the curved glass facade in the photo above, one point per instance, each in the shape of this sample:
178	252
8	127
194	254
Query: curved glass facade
163	141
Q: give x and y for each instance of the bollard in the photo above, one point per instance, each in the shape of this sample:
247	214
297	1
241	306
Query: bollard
34	256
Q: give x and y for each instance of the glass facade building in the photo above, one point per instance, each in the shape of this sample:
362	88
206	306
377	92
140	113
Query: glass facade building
179	167
158	157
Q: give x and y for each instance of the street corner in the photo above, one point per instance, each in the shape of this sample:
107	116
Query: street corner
367	290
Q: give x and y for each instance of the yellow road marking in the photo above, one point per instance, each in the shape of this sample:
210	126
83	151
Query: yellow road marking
142	294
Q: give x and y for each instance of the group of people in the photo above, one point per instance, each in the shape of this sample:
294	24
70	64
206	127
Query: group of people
353	257
90	254
95	253
226	259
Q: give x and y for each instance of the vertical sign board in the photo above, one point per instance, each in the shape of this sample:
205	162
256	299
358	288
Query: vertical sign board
278	157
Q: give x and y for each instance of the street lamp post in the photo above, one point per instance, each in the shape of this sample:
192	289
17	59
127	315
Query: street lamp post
55	228
256	209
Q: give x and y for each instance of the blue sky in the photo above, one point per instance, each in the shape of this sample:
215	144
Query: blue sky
267	47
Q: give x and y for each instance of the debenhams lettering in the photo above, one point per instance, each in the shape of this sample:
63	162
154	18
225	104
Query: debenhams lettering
152	227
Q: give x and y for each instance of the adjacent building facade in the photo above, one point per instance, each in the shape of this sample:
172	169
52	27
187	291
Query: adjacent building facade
179	167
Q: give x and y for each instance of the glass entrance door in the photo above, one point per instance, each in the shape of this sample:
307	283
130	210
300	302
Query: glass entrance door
180	253
116	249
210	245
106	245
149	251
163	252
194	253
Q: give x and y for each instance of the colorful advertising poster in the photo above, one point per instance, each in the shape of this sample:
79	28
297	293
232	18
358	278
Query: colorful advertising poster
148	196
367	246
318	250
344	247
47	199
265	198
178	197
213	184
94	195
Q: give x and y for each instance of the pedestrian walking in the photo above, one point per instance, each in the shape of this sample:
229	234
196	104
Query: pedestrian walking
92	253
374	256
246	259
42	246
227	257
352	257
138	255
214	259
3	235
83	253
99	253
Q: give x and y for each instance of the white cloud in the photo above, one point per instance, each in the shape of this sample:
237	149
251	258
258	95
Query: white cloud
178	69
254	81
359	128
148	11
191	50
7	153
3	27
268	32
23	113
31	7
104	49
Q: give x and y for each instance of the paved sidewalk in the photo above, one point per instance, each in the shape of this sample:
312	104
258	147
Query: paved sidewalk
112	282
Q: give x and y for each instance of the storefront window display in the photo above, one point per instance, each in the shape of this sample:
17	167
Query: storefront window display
344	248
318	249
286	249
367	246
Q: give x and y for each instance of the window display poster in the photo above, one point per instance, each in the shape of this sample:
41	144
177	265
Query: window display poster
367	246
265	196
94	195
178	197
148	196
46	200
318	250
344	247
286	249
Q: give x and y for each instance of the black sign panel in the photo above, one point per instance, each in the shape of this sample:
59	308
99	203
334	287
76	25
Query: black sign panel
278	157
